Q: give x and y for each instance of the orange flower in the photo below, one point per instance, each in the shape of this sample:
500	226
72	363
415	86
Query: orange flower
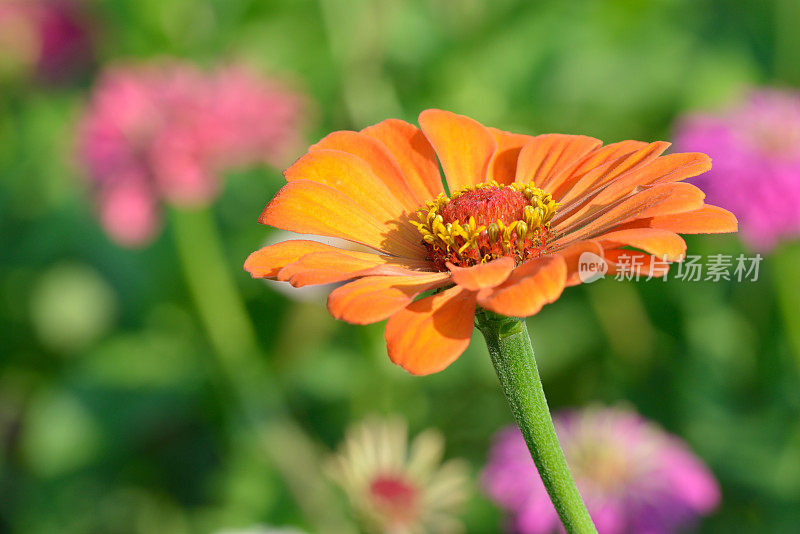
522	210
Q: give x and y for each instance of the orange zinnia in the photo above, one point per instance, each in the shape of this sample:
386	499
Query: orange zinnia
522	210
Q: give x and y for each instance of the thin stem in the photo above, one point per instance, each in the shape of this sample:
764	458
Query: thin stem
223	313
212	286
512	356
785	263
245	369
787	41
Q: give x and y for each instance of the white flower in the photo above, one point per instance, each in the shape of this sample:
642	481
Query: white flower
396	488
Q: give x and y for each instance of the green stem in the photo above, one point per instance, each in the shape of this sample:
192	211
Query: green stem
512	356
787	41
785	263
245	370
217	298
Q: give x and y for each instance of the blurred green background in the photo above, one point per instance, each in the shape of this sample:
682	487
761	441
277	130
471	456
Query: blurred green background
119	412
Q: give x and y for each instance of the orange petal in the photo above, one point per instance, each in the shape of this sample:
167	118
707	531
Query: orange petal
637	264
650	201
606	154
327	267
375	298
530	286
611	170
572	257
706	220
413	153
464	146
544	157
350	175
670	168
309	207
430	333
380	160
482	275
267	261
602	158
503	166
662	243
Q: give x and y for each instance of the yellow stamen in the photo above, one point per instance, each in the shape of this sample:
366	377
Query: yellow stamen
459	237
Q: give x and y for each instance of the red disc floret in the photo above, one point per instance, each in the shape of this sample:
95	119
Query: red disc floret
397	497
487	205
484	222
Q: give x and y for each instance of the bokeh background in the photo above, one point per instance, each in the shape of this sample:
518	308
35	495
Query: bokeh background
159	389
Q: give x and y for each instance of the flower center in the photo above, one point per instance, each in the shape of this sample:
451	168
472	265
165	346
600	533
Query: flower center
487	205
484	222
607	468
395	497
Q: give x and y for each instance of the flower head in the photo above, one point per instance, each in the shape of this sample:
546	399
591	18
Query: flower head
633	476
756	149
166	131
48	36
508	238
397	488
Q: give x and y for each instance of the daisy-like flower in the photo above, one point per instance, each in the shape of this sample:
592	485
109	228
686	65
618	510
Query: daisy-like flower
756	145
521	211
397	488
634	477
166	131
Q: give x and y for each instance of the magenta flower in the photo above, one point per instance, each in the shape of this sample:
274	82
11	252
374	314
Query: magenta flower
166	132
50	37
756	175
634	477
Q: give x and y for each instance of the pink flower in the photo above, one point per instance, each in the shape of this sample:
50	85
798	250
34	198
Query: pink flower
756	151
49	37
128	212
633	476
168	131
